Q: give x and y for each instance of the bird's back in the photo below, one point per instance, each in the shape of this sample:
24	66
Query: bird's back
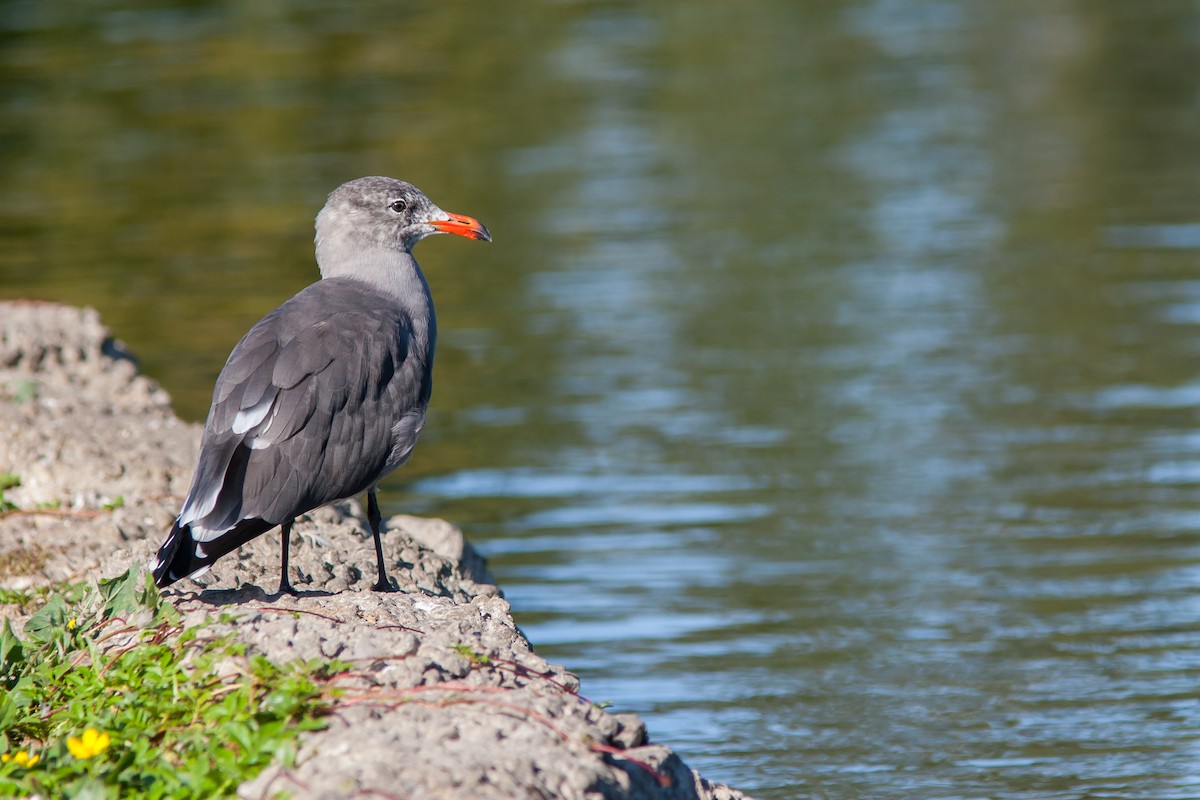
317	402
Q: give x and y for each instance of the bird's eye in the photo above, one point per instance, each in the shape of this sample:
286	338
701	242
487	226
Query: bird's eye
398	205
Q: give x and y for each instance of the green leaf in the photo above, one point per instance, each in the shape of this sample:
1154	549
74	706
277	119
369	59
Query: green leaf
152	599
12	654
48	621
8	712
8	481
90	790
121	595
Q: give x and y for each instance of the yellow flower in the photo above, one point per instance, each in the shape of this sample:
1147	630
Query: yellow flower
92	743
71	624
22	758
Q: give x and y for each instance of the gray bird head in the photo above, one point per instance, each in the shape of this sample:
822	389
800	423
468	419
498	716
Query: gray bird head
363	217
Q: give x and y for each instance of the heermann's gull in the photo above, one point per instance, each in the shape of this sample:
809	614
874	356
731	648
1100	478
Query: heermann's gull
327	393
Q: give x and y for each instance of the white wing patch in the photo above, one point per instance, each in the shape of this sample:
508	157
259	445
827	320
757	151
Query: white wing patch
200	535
247	418
199	507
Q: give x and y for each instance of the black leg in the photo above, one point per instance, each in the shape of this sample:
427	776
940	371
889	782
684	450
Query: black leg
285	586
374	517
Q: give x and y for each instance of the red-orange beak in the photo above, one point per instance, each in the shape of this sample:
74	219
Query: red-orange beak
462	225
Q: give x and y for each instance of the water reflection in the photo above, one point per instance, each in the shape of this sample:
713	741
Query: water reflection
828	393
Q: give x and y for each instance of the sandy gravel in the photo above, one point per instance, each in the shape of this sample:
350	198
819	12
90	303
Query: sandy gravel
104	463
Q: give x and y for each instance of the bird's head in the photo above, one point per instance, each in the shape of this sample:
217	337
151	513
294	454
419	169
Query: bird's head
384	213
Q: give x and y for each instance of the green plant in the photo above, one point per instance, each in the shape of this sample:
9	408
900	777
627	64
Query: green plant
107	696
23	390
8	481
16	597
27	599
466	651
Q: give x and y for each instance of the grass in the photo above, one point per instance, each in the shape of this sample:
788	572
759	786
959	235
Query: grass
106	696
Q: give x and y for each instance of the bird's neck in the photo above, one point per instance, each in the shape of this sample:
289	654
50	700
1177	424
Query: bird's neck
395	275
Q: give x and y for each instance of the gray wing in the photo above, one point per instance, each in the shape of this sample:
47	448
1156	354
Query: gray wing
317	402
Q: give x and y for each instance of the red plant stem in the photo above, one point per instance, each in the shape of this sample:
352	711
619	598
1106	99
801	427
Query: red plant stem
522	671
285	775
334	620
52	512
663	780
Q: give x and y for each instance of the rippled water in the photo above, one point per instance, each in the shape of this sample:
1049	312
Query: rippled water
828	394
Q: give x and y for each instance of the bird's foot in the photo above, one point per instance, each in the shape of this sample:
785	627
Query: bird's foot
285	587
383	585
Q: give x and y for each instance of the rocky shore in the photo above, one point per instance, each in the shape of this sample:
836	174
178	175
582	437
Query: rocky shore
455	702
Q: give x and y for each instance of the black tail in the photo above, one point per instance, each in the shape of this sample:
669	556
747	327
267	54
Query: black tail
181	556
166	570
